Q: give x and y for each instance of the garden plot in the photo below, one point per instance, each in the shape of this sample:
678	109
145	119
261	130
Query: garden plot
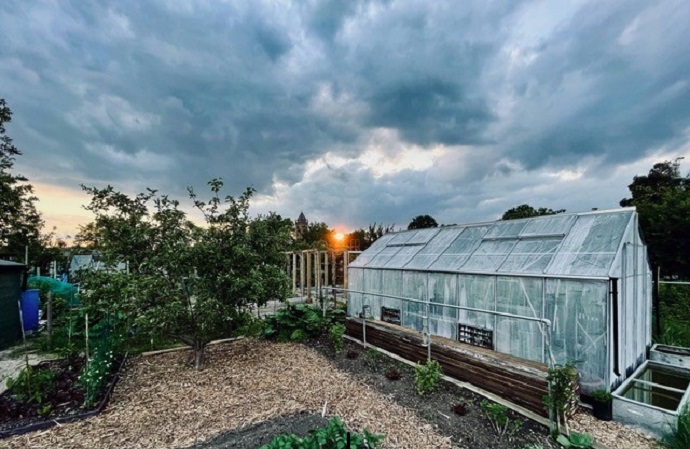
161	402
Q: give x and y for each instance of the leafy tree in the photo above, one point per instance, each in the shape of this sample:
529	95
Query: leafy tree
422	221
662	200
188	282
527	211
363	238
315	236
20	221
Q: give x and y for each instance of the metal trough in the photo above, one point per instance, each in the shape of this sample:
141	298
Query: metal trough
653	397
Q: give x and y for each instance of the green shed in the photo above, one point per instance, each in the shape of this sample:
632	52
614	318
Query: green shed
10	291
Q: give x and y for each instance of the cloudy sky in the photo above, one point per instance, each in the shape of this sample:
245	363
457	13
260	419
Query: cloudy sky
352	111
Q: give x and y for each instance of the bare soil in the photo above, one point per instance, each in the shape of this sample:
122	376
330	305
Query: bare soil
471	430
254	436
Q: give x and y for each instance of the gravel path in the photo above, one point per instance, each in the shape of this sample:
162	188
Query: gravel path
162	403
612	434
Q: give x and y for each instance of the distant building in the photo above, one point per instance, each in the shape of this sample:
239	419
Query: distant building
301	224
91	262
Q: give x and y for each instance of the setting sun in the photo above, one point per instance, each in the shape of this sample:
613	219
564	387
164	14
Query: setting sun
339	236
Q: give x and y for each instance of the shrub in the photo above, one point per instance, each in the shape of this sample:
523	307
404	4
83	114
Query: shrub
393	374
336	333
562	380
294	323
498	416
680	435
332	436
32	384
426	377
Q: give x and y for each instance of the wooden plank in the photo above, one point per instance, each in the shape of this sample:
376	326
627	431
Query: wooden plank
520	381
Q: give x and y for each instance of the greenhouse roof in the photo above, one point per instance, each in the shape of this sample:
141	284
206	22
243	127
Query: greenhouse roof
578	244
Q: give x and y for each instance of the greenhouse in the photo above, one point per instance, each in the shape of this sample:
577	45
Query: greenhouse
553	289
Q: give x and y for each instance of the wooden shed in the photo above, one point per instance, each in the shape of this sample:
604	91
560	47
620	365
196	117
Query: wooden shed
11	278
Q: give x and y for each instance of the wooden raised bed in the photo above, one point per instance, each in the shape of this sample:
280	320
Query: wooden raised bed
520	381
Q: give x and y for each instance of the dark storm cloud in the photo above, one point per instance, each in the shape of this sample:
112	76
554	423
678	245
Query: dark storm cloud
171	93
616	75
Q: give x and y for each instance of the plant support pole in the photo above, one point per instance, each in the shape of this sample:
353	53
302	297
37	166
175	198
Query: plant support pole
49	314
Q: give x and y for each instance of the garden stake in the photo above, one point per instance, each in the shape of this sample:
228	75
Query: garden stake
86	325
26	353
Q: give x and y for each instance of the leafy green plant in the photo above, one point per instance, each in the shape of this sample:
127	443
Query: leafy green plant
500	421
336	333
296	322
332	436
372	357
426	377
602	396
32	384
533	446
576	440
562	382
96	373
45	410
679	437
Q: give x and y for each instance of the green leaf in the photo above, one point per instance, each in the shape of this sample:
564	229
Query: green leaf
563	441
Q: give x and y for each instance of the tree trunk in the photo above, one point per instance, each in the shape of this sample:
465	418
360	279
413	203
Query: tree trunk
198	355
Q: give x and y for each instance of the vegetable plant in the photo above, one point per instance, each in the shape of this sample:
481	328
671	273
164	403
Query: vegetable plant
500	421
562	381
426	377
576	440
32	384
332	436
336	333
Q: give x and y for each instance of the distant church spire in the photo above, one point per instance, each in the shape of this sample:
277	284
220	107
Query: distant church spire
301	224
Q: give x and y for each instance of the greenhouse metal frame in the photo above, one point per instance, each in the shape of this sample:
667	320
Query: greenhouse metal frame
586	273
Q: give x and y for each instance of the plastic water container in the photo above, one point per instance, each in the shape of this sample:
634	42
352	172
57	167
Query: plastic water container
30	304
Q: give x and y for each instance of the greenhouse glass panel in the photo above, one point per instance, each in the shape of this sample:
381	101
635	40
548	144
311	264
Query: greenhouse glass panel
477	292
515	336
443	290
578	310
414	287
506	229
558	225
459	251
403	256
489	255
422	236
401	238
354	300
591	245
372	251
436	246
392	281
385	255
530	256
371	282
